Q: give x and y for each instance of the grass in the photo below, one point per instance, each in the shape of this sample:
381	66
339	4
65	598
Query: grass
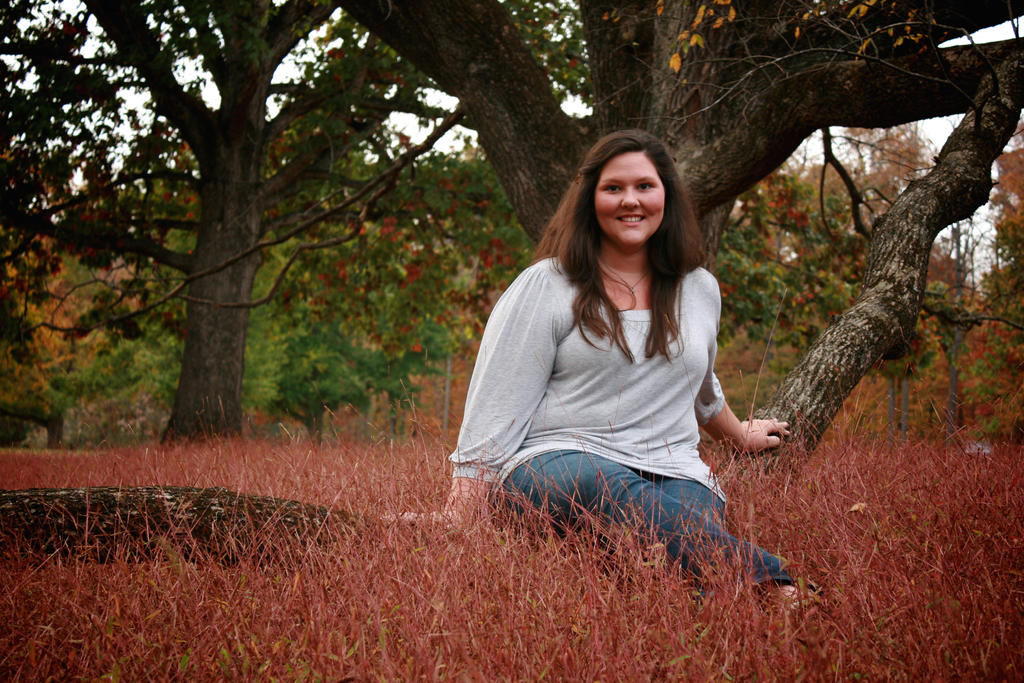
920	549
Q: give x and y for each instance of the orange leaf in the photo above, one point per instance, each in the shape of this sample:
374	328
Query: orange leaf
700	15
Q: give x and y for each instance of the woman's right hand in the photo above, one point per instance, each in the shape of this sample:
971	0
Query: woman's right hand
759	435
467	501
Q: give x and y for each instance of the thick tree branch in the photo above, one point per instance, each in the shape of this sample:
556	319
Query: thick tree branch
940	20
321	156
316	215
883	317
172	522
622	46
35	418
281	33
126	26
20	248
821	96
42	224
371	191
307	99
474	51
378	186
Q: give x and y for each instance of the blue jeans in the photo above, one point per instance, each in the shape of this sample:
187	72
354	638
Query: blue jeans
572	487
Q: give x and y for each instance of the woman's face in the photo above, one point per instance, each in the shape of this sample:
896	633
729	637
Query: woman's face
629	201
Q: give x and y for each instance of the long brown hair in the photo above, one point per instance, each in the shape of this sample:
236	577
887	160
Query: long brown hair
573	236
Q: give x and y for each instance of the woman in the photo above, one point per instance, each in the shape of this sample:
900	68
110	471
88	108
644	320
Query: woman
597	366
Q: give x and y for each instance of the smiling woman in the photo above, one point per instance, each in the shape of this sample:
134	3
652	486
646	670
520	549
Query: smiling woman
596	370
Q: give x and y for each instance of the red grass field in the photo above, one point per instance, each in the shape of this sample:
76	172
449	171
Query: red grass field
920	549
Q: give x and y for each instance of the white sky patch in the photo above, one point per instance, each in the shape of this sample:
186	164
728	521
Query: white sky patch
938	129
410	124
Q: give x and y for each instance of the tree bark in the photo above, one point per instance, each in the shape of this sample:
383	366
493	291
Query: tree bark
885	313
208	399
953	389
108	523
53	423
476	53
229	144
55	431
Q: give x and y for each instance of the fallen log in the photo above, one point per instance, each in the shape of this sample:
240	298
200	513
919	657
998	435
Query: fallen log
104	523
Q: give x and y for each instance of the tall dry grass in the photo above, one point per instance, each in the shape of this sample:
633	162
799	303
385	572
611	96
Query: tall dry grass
920	549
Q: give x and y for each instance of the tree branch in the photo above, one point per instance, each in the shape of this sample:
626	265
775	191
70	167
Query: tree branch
884	314
856	200
34	418
378	182
173	522
954	316
284	180
281	35
124	24
37	224
382	182
474	51
818	97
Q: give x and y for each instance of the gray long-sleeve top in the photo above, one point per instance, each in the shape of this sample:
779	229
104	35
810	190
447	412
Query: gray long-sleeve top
539	386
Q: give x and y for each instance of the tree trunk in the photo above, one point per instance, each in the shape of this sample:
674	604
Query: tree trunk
107	523
55	431
883	317
713	223
904	407
208	400
953	352
474	52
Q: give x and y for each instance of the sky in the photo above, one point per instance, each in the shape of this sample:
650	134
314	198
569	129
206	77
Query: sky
938	129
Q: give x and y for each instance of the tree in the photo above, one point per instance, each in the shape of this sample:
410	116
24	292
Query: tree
85	388
366	319
33	386
794	249
996	363
176	141
42	375
734	88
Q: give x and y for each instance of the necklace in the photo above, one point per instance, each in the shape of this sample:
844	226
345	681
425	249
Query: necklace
621	280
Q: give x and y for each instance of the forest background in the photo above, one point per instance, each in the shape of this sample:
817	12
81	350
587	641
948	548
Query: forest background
265	218
368	319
